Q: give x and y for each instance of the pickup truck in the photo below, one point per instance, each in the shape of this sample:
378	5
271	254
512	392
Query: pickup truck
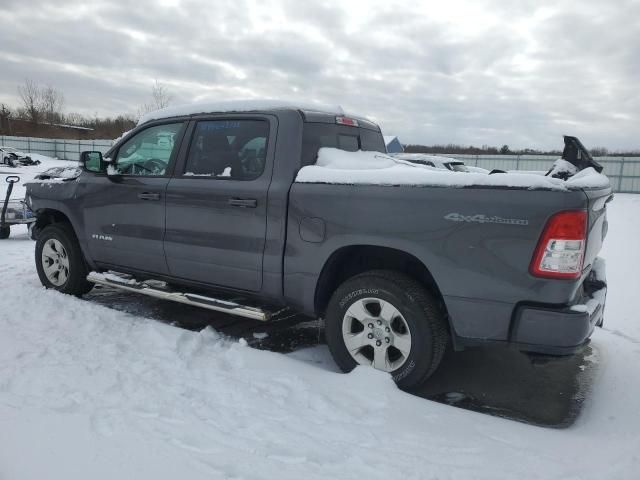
208	206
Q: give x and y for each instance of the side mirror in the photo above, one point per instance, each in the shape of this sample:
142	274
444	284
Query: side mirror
93	162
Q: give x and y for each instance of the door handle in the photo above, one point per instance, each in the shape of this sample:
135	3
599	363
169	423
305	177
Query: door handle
149	196
243	202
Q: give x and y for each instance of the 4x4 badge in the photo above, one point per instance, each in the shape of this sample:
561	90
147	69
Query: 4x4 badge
481	218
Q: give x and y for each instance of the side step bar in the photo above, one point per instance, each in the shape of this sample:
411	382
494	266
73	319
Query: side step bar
131	285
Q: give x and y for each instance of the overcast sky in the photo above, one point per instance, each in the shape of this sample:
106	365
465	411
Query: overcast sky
519	72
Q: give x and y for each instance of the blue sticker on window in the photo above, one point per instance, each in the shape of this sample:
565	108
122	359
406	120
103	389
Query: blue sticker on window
222	125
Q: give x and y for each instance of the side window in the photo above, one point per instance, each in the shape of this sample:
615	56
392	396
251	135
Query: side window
232	149
148	152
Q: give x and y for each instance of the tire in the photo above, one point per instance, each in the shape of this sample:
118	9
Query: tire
408	309
33	231
57	250
5	232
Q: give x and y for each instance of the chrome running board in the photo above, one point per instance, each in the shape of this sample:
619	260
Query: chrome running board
125	282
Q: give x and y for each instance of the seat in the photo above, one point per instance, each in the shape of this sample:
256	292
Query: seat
214	157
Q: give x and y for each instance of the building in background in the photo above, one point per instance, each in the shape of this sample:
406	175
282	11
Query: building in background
393	144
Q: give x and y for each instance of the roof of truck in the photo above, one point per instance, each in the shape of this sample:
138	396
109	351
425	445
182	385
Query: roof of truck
239	106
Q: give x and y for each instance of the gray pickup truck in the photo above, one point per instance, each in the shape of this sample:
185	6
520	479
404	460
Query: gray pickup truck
203	207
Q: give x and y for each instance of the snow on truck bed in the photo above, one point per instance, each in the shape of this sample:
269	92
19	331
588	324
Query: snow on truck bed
373	168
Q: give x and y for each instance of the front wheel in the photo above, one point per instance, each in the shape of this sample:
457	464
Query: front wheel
59	260
386	320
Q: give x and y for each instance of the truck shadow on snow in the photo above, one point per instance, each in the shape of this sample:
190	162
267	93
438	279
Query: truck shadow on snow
500	382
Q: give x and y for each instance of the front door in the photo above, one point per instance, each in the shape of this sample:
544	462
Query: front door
217	202
124	212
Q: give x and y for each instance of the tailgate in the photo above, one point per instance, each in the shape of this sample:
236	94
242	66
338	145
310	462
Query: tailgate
597	207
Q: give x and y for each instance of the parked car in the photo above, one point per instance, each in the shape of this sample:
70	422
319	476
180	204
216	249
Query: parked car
14	158
437	161
218	216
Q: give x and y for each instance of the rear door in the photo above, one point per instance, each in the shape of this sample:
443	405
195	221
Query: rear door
124	214
217	201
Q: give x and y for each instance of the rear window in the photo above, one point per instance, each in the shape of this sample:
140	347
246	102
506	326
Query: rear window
343	137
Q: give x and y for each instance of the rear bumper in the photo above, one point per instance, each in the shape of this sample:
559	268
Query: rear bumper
533	327
560	330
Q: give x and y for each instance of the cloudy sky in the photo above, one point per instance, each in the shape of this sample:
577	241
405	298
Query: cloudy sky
520	72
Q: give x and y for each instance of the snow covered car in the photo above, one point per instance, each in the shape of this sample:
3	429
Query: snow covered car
261	209
14	158
437	161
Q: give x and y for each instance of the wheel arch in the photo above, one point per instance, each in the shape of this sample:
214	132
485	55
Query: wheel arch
352	260
49	216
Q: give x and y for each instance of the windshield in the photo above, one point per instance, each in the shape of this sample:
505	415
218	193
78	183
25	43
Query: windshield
457	166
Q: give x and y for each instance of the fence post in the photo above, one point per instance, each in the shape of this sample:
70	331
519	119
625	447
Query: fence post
29	144
518	162
621	173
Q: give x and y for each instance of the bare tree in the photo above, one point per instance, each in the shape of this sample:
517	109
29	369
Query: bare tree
160	95
160	98
5	114
40	103
51	104
31	98
5	111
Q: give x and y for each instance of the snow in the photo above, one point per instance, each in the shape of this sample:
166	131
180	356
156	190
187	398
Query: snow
91	392
373	168
225	173
561	166
236	106
27	174
598	297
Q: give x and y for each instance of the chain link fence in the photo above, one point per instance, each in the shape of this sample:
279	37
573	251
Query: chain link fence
623	172
55	147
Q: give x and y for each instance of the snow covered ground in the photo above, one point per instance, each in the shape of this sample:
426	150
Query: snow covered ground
27	173
91	392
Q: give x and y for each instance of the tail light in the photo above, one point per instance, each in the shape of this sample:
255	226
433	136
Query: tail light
560	250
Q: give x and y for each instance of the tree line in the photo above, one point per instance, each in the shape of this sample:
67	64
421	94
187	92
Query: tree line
506	150
42	106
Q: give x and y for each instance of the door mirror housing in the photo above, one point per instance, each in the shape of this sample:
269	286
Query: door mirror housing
93	162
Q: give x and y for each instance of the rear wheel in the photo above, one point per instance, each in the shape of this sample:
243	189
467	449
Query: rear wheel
386	320
59	260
